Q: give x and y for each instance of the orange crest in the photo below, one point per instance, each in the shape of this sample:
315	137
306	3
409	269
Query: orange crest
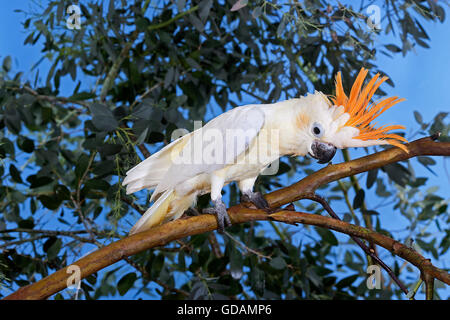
362	114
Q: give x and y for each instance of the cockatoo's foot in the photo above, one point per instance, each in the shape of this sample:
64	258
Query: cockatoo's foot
220	211
256	198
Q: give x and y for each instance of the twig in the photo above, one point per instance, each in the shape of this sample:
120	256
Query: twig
215	246
147	92
54	99
259	254
112	74
141	147
18	242
412	293
178	16
403	266
50	233
77	201
363	246
347	201
133	205
367	218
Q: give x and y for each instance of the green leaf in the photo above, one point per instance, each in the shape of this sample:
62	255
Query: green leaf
236	263
142	137
313	276
82	165
181	4
426	161
126	282
348	281
7	63
257	12
157	265
84	95
392	48
97	184
110	149
283	168
205	8
239	5
418	117
25	144
397	173
371	178
418	182
327	236
371	212
427	213
440	12
15	174
168	78
54	249
281	27
51	203
359	199
36	182
48	243
27	223
103	118
257	280
197	23
278	263
62	192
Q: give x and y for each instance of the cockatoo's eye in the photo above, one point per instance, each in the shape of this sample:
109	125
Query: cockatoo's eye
317	129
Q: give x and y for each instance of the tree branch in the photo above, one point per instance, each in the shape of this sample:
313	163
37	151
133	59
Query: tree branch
182	228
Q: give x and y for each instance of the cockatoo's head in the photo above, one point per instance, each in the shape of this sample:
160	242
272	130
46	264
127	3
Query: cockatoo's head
345	122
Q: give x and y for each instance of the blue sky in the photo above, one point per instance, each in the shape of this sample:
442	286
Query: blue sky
421	77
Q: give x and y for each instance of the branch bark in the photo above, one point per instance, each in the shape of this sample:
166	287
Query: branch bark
239	214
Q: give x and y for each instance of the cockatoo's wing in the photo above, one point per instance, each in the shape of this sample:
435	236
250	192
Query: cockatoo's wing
215	145
149	173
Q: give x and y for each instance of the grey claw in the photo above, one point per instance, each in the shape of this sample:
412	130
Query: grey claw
256	198
220	211
209	211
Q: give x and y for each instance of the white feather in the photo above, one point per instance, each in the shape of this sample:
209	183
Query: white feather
149	173
193	160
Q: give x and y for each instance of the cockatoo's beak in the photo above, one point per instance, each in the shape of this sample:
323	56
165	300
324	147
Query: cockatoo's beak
322	151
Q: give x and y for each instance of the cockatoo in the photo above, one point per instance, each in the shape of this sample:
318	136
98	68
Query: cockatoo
240	143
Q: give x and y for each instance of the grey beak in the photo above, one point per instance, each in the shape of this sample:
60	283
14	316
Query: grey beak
323	151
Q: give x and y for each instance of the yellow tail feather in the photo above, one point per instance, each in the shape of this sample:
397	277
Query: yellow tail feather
156	214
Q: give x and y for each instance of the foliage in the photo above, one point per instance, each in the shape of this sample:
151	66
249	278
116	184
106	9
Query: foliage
136	71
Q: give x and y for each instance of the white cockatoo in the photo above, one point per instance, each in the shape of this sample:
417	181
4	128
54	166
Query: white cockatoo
242	142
